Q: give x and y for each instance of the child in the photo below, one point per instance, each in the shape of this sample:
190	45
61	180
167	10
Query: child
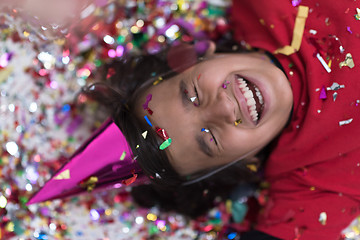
202	113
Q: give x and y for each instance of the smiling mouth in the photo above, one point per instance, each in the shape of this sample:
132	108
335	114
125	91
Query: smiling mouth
253	96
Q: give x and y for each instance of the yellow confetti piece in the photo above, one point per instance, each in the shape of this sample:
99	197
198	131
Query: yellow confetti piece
252	167
323	218
297	33
5	73
157	81
357	15
122	157
90	183
237	122
349	62
228	205
63	175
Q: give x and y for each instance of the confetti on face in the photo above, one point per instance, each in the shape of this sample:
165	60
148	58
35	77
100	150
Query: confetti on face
157	81
161	133
237	122
205	130
148	121
193	99
148	99
165	144
224	85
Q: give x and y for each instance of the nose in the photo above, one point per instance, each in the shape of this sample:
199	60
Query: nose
220	110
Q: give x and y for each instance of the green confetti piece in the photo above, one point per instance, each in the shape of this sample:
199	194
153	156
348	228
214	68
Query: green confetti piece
239	211
123	156
165	144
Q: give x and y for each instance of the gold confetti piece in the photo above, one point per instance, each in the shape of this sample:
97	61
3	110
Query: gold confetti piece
144	134
90	183
252	167
349	62
5	73
297	33
63	175
357	15
122	157
323	218
237	122
157	81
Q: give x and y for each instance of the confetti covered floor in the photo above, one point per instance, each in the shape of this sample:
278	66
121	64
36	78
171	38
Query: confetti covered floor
43	119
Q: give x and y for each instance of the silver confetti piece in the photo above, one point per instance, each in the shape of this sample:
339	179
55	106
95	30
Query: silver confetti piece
334	96
345	122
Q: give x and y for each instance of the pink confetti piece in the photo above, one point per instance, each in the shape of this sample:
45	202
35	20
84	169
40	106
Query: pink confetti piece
323	93
148	99
349	30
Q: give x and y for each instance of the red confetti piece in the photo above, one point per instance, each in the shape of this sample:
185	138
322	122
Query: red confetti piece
161	133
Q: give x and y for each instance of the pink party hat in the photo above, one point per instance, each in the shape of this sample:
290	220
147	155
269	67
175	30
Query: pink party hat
105	160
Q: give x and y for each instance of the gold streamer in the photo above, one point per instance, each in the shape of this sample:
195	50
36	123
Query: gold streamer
297	33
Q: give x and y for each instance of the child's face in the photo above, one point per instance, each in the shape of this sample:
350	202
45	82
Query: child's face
199	112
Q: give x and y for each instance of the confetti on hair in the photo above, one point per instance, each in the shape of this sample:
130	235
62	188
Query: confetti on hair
157	81
323	218
348	62
161	133
123	155
129	181
144	134
148	99
157	176
252	167
165	144
237	122
345	122
63	175
322	61
323	93
148	121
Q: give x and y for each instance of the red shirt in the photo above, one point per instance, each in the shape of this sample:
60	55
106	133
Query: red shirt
314	169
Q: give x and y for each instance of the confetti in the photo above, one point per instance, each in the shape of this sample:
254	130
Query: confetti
349	62
357	15
193	99
148	121
205	130
148	99
123	155
323	93
335	96
165	144
157	81
322	61
90	183
297	33
63	175
144	134
323	218
345	122
237	122
161	133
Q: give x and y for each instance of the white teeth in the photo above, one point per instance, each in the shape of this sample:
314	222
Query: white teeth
249	96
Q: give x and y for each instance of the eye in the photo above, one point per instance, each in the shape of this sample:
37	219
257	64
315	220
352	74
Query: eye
211	134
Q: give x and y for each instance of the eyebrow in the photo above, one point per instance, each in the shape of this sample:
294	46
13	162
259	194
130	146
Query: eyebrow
203	145
184	99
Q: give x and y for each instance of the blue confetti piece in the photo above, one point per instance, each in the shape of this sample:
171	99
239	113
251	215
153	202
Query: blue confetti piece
65	108
148	121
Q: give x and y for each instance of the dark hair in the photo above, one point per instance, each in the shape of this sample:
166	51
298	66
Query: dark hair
124	80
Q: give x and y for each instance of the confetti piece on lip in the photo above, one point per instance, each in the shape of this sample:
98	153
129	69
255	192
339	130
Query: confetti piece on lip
63	175
148	121
122	157
323	93
144	134
345	122
323	218
165	144
349	62
148	99
322	61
